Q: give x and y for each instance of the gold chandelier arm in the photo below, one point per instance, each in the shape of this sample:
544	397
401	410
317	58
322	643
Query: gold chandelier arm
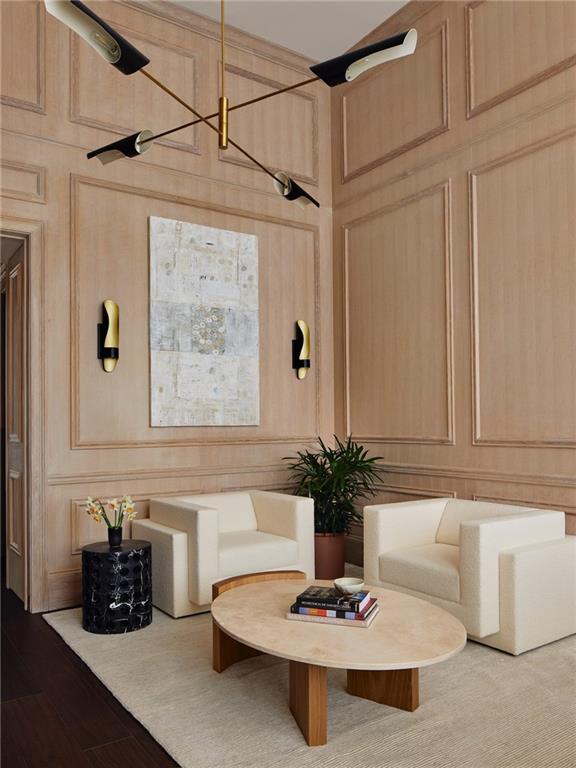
203	119
235	106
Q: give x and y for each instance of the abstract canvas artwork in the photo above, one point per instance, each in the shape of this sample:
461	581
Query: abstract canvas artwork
204	352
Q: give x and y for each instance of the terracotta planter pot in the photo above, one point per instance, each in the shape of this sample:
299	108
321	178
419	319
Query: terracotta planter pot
329	555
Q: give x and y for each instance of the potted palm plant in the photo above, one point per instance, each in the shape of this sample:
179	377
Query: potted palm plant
336	478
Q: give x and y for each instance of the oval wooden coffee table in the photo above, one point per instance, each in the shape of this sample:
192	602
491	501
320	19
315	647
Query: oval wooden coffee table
382	660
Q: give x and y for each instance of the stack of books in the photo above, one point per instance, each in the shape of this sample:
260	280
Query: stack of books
326	605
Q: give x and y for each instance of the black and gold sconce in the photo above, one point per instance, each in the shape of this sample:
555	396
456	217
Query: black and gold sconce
109	336
301	349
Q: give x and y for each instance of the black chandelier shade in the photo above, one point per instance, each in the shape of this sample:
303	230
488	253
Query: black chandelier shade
347	67
288	188
110	44
130	146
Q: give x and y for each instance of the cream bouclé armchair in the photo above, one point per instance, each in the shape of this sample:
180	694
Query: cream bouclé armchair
198	540
507	572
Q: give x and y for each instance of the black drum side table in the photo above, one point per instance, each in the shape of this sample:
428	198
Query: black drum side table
116	587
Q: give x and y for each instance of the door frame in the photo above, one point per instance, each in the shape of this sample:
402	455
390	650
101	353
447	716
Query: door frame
31	233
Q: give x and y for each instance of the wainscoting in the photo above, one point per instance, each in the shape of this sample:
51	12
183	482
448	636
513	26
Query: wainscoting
437	278
455	273
60	101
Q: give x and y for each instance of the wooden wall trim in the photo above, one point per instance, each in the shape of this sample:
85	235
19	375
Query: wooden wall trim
474	108
443	126
39	104
75	438
38	174
32	232
478	473
82	478
445	188
225	157
407	490
570	509
183	175
403	19
76	116
459	148
478	438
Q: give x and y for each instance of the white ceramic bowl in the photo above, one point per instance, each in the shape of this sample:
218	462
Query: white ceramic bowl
348	585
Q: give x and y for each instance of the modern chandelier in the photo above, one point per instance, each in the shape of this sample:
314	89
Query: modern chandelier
116	50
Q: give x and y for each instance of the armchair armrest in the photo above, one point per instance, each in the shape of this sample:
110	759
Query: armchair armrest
201	525
289	516
392	526
481	544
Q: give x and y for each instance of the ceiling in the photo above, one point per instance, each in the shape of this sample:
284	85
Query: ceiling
319	29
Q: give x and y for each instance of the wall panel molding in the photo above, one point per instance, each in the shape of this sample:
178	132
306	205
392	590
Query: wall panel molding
407	490
84	478
459	148
475	106
25	182
443	189
478	473
349	172
38	103
480	435
77	48
77	442
15	503
228	156
569	509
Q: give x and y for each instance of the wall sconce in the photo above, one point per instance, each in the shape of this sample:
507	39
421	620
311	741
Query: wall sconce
301	349
109	336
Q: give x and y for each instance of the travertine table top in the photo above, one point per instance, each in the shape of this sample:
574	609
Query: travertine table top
407	632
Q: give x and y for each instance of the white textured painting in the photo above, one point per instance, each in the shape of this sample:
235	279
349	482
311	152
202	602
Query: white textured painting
204	354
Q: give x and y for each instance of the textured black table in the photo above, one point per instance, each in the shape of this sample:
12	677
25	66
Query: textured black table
116	587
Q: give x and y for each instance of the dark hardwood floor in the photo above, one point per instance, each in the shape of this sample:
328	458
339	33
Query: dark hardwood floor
55	712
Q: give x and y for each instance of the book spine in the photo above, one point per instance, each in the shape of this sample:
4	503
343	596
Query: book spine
329	606
328	620
334	614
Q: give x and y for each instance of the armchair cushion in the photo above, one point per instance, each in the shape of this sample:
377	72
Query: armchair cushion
235	511
429	568
459	511
250	551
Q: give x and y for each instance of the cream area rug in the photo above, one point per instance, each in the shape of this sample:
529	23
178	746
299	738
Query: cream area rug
481	709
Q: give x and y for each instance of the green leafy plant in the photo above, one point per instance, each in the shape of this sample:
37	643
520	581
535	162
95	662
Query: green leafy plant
336	478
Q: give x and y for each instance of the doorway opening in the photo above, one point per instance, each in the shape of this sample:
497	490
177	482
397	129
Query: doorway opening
14	412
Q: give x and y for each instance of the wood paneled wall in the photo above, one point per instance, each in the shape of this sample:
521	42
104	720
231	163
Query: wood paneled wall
59	100
454	186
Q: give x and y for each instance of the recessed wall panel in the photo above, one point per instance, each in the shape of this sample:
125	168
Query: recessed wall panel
524	300
513	46
384	114
399	357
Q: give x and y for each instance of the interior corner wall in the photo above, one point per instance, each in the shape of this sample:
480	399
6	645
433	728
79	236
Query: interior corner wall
454	182
60	100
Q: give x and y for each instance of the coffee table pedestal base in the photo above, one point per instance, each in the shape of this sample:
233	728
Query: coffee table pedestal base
308	701
227	651
394	687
